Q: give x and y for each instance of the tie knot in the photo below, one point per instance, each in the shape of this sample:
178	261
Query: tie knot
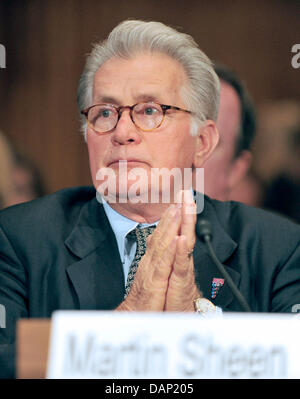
141	233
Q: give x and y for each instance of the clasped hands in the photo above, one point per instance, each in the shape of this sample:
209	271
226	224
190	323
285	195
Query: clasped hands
165	279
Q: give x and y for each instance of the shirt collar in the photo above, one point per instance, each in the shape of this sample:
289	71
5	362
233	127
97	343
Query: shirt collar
121	225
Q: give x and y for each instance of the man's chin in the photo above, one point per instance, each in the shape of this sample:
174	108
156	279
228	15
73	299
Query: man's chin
136	192
131	195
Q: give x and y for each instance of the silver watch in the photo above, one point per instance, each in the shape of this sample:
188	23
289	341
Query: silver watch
204	307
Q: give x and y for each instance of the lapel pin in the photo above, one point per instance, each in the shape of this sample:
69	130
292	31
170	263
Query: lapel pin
217	283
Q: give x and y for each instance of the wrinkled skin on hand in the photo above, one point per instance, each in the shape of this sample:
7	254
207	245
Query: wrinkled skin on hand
165	279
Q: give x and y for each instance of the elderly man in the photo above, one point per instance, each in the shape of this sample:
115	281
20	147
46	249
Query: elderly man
149	100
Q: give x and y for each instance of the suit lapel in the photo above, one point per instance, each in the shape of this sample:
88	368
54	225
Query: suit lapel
97	277
205	269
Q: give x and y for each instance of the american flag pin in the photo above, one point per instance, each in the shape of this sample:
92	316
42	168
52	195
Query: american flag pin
217	283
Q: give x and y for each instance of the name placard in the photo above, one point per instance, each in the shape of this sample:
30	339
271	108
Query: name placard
97	344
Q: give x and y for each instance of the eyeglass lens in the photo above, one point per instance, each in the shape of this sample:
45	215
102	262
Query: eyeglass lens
146	116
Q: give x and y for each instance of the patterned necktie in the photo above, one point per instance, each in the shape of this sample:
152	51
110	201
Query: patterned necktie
140	236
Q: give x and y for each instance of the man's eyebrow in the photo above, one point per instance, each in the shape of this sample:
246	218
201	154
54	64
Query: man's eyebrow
147	98
139	98
106	100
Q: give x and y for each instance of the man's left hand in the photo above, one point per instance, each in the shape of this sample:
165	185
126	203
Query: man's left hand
182	289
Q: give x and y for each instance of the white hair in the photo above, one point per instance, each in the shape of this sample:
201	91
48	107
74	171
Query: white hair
133	37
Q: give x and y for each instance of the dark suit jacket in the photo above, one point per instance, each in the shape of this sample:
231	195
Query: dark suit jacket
59	252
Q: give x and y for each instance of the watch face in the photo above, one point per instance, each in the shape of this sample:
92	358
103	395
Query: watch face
203	305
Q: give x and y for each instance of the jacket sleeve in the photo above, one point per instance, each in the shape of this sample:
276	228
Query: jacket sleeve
13	298
286	285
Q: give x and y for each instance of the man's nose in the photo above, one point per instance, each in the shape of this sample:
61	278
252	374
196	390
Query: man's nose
125	132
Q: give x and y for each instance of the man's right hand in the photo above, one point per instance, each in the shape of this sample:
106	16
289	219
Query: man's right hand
148	291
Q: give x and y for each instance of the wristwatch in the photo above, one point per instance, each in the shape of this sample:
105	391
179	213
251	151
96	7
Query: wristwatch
205	307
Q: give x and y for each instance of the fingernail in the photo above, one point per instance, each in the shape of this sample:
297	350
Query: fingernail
179	196
188	197
190	209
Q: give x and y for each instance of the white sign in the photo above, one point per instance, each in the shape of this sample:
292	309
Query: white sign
90	344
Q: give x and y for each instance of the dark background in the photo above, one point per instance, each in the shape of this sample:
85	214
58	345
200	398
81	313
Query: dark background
46	42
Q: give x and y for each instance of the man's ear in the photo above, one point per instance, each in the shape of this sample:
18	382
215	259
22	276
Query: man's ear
206	141
239	168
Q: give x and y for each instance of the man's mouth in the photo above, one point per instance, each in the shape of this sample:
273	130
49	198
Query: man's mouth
123	162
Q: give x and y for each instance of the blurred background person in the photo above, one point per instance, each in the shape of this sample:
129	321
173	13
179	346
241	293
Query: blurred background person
230	163
7	187
20	180
27	179
283	193
250	190
279	166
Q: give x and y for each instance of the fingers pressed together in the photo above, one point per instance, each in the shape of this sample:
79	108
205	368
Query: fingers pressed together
165	277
